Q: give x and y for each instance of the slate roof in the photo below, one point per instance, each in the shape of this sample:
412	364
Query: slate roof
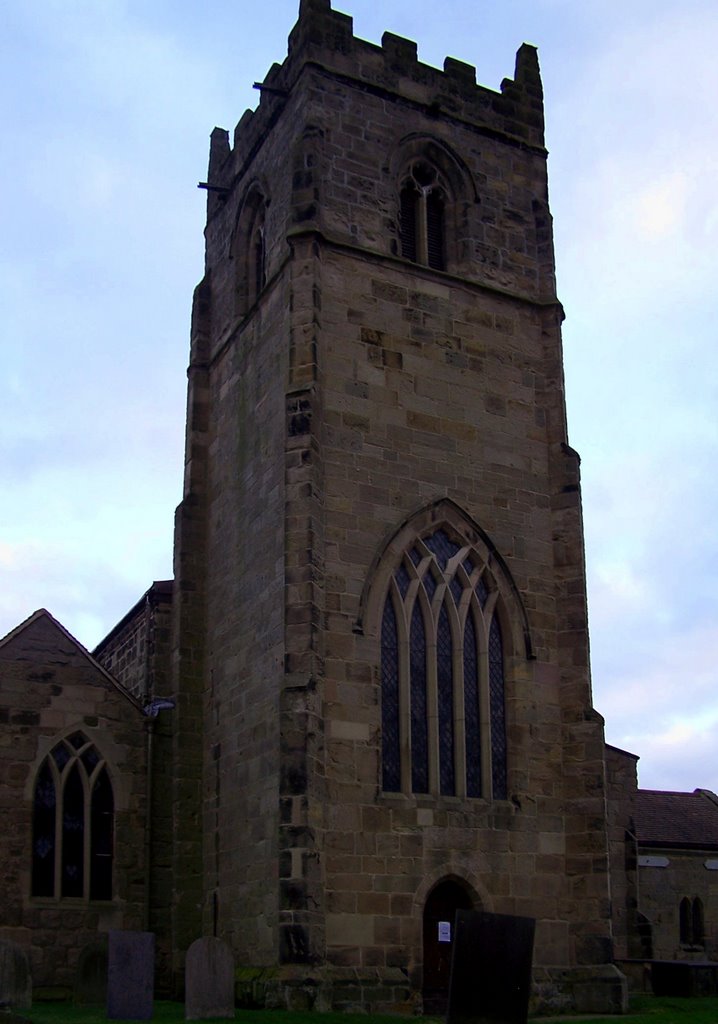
687	820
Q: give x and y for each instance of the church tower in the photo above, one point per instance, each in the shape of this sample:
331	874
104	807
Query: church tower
380	636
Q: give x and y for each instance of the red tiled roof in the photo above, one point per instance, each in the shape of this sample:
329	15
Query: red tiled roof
676	819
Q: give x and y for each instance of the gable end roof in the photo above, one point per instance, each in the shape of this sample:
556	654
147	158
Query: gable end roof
667	819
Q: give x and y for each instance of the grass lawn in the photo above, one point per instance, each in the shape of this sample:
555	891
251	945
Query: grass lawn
643	1010
663	1010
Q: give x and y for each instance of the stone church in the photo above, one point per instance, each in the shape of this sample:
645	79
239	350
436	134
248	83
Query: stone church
364	701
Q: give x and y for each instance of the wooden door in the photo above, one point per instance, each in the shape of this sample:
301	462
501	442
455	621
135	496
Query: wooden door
439	912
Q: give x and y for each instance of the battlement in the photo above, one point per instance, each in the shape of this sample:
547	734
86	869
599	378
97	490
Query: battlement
323	40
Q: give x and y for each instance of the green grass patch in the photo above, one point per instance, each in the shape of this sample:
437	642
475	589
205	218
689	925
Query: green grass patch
643	1010
664	1010
173	1013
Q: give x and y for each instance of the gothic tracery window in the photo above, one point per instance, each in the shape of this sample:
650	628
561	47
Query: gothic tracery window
442	674
73	823
421	214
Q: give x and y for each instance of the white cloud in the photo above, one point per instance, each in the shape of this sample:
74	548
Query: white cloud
668	701
680	758
660	208
620	586
633	194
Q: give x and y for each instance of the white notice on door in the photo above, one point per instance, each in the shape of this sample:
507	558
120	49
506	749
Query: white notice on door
444	931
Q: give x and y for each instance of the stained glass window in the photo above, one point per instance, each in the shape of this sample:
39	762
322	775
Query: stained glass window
498	713
90	758
73	823
102	838
430	584
442	546
61	755
445	687
462	675
391	762
73	833
402	580
472	724
419	723
43	827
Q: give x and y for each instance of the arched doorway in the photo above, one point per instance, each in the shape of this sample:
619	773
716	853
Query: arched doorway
439	911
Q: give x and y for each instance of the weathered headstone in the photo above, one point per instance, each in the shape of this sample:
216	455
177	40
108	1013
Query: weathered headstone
490	968
15	980
91	977
209	980
130	975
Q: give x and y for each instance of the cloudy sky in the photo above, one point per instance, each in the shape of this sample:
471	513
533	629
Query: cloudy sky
108	108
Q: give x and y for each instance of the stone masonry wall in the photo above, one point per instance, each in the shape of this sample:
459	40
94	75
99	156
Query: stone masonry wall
687	874
136	652
622	782
416	420
245	632
126	654
49	688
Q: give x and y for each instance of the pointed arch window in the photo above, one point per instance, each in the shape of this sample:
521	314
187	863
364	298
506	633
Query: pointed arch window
73	823
692	927
249	250
422	217
442	673
257	259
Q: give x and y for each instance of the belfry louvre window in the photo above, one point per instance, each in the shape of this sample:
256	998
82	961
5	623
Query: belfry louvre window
73	823
442	674
422	218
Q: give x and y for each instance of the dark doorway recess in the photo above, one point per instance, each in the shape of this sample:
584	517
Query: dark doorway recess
441	905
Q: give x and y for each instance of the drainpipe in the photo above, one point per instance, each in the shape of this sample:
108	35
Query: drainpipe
149	774
148	824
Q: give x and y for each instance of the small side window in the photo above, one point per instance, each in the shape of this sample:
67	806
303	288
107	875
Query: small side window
249	251
256	263
692	927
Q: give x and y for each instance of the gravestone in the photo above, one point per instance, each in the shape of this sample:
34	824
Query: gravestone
209	980
15	980
130	975
490	968
91	977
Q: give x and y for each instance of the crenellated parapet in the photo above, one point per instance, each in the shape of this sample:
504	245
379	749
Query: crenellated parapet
323	40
